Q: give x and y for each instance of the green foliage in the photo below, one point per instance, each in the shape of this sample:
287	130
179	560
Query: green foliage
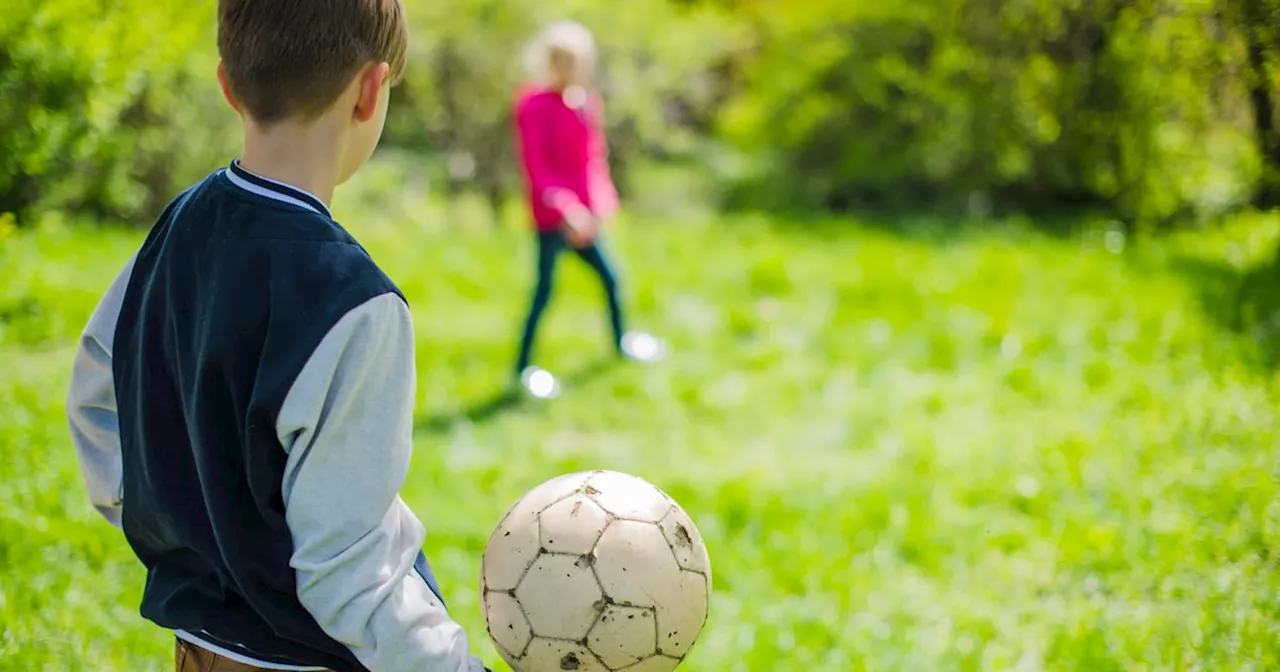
1152	110
966	450
1127	104
1257	22
111	109
105	106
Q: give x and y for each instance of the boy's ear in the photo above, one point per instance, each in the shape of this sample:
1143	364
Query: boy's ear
372	80
226	88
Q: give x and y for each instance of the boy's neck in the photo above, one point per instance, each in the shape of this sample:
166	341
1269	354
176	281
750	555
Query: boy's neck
303	157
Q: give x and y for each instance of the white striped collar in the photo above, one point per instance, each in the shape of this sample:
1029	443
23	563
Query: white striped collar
266	187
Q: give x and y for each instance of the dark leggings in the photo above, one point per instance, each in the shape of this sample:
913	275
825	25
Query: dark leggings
550	245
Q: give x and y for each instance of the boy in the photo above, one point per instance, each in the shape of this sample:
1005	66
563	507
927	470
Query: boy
242	398
564	157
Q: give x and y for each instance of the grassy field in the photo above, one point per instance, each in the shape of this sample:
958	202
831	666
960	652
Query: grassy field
907	449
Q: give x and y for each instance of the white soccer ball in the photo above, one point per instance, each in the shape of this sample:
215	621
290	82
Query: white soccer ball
596	572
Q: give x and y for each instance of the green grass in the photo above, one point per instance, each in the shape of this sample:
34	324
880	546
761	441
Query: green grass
912	450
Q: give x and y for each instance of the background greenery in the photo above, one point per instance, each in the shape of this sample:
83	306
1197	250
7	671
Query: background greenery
1156	111
974	307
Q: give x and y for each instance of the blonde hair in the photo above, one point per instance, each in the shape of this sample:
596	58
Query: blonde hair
564	36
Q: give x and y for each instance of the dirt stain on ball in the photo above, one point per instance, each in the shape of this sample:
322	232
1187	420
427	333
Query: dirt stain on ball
570	662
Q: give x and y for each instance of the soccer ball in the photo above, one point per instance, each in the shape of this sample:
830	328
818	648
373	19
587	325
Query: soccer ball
596	572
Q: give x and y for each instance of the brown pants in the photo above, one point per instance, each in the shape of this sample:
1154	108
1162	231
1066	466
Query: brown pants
191	658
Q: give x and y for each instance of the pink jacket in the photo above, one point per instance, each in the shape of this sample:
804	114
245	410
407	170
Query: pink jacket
564	155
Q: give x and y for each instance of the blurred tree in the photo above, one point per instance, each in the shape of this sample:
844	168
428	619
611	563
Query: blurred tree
99	110
1032	102
1258	23
1151	109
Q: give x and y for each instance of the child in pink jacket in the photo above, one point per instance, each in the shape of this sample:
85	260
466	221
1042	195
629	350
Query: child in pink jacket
564	154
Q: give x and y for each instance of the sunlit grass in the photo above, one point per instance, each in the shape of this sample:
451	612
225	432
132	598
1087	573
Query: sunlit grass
988	450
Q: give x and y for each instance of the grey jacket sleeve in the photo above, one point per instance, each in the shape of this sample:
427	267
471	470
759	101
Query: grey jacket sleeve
91	403
347	423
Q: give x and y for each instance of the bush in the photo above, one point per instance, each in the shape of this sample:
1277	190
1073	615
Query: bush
1150	109
1130	105
106	108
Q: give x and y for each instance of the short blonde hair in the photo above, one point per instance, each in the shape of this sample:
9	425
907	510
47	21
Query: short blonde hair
562	36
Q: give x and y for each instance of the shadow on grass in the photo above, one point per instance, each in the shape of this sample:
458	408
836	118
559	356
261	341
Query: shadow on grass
1244	301
504	401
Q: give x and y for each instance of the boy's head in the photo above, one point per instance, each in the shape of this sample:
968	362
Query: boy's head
307	61
564	55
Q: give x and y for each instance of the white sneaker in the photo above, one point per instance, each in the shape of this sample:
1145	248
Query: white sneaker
641	347
539	383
